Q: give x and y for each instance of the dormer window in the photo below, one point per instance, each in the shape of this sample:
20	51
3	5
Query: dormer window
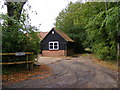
53	32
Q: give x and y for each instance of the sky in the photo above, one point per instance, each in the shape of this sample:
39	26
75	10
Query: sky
47	11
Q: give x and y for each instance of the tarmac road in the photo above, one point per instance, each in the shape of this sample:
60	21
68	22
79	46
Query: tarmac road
74	72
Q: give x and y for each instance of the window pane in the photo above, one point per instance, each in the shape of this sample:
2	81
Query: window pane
51	43
55	43
55	47
51	47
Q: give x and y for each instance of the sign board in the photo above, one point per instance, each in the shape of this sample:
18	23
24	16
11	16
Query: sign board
20	53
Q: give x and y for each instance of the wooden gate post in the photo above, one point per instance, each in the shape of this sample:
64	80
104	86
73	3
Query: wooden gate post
26	62
31	64
31	67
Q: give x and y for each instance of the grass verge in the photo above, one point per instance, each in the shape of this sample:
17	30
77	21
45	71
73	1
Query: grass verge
109	64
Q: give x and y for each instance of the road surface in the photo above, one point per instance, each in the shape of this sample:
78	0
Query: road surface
73	72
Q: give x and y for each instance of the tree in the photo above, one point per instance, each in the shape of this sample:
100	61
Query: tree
93	25
102	32
14	10
73	20
13	7
19	35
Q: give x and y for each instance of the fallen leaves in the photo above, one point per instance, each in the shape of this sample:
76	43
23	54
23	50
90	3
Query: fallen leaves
104	63
26	74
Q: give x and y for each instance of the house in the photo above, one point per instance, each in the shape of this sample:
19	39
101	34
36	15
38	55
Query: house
41	35
56	43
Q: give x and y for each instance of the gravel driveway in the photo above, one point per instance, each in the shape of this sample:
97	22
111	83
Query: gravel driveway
74	72
48	60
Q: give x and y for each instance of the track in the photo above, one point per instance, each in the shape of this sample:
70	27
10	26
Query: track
78	72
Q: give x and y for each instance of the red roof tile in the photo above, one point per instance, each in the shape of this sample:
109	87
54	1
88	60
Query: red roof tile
65	36
41	35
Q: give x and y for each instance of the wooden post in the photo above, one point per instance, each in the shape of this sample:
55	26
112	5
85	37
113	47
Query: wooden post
118	45
31	65
27	61
118	57
118	51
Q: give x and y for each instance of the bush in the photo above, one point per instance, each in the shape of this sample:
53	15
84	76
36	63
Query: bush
18	37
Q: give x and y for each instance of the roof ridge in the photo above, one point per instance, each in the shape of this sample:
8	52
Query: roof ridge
62	34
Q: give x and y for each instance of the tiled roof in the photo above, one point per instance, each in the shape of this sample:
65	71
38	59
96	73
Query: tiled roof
63	35
41	35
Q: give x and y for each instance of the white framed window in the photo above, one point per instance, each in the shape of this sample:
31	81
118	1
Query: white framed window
54	45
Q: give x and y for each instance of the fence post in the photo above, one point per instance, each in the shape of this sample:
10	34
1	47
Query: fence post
31	64
27	61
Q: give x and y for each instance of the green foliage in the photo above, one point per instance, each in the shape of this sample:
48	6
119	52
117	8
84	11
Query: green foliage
19	36
102	32
92	25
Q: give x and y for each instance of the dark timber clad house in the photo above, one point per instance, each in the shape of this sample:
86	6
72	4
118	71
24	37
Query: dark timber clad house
56	43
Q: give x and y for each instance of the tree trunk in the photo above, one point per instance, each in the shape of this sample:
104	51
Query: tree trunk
14	10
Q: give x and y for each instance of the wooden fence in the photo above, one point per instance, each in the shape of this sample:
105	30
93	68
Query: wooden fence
27	54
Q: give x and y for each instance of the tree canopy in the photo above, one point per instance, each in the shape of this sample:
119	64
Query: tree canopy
17	33
92	25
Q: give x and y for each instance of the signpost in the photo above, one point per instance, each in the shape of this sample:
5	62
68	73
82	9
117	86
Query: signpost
19	53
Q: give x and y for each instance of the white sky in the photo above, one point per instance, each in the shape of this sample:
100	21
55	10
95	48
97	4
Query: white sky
47	11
